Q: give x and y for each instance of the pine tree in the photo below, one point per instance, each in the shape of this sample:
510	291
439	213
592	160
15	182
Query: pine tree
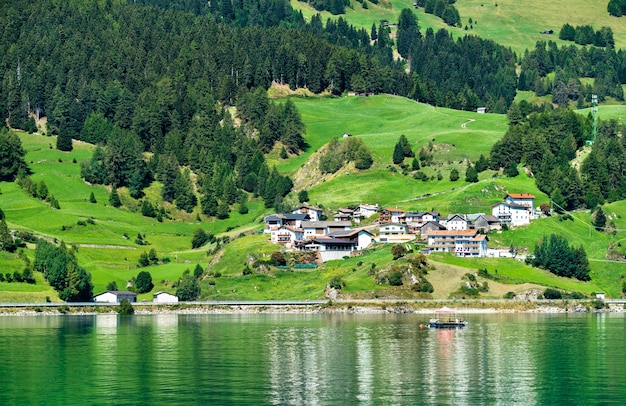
6	241
92	198
64	142
398	154
471	175
599	219
114	198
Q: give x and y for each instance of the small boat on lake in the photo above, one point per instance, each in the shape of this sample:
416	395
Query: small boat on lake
446	318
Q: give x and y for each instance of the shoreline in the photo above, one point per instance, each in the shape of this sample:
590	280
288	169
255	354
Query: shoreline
527	307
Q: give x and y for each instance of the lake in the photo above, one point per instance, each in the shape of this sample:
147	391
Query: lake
312	359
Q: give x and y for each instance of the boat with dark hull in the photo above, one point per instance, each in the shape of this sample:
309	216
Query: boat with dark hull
446	318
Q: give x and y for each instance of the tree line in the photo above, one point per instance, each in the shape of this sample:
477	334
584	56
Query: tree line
546	142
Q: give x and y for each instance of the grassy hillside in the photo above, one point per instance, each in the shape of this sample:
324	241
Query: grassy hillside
107	248
514	24
456	136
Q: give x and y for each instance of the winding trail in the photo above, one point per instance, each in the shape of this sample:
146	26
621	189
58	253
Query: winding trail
469	120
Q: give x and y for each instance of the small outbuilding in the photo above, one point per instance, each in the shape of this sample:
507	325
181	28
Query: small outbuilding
164	297
115	296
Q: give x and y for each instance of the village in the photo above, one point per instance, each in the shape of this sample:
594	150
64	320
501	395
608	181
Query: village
306	228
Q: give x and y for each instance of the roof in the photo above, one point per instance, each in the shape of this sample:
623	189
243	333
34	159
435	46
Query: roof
333	240
291	228
435	224
511	205
342	210
394	224
368	206
324	224
288	216
347	233
164	293
306	206
520	196
489	218
394	210
461	217
469	233
118	293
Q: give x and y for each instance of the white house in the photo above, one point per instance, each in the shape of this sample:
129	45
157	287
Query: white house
275	221
463	243
394	233
164	297
521	199
115	296
313	229
286	235
315	213
338	244
457	222
511	214
366	210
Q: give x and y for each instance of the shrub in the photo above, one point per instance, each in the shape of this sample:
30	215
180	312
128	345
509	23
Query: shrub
337	283
398	251
509	295
395	279
552	294
125	307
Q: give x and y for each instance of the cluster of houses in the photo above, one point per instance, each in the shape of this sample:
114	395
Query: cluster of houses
304	229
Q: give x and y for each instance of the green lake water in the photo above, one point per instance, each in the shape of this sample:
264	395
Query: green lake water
289	359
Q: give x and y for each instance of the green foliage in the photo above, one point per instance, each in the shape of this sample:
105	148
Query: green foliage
11	155
599	219
61	270
552	294
200	237
471	175
6	240
303	196
454	175
112	286
64	142
143	282
125	308
92	198
198	271
398	251
188	288
395	279
351	149
337	283
554	254
114	198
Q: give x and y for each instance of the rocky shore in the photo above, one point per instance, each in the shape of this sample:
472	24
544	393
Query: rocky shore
328	308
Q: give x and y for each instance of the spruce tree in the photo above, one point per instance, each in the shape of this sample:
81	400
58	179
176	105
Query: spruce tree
64	142
599	219
114	198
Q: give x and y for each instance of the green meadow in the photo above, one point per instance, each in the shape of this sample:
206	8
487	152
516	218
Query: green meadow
514	24
455	137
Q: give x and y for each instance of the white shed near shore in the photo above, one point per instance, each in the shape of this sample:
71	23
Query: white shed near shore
164	297
115	296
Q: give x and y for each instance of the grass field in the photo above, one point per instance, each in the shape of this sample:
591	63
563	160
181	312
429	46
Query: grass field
456	136
512	23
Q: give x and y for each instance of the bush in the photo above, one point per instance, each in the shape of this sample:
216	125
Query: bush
509	295
395	279
125	307
552	294
337	283
398	251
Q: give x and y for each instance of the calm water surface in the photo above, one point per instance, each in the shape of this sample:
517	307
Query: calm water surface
311	360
